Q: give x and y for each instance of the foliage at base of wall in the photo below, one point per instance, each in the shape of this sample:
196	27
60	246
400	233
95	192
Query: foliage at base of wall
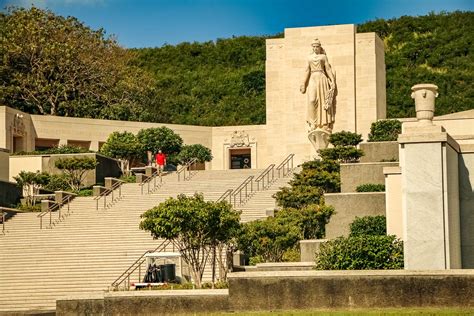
385	130
274	239
367	247
62	149
361	253
370	187
369	225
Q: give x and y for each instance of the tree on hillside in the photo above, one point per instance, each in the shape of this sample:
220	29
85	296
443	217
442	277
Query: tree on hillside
58	66
123	146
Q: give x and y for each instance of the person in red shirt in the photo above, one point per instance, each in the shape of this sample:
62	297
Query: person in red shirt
160	160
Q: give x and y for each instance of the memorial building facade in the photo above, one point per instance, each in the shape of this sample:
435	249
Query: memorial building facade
351	65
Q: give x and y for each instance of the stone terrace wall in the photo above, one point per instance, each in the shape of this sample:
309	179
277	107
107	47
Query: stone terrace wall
289	290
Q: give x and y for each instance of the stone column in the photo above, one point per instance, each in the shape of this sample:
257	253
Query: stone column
430	189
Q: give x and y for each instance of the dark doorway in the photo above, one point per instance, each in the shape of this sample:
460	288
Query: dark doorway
240	158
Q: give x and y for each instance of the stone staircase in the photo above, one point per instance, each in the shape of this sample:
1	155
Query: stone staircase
90	248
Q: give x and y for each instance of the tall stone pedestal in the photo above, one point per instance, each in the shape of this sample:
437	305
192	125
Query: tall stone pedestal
430	197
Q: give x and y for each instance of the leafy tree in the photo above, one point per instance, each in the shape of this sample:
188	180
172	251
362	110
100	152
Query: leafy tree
195	226
58	66
31	182
366	252
369	225
433	48
385	130
267	240
198	151
160	138
310	220
57	182
75	169
123	146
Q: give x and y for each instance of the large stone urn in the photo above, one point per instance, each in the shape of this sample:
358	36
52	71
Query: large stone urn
424	95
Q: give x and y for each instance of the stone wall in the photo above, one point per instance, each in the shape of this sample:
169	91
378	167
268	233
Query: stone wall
350	289
4	164
290	290
9	194
355	174
379	151
107	167
466	197
348	206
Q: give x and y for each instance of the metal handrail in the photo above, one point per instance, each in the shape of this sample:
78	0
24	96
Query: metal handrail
152	177
227	195
287	164
52	208
117	184
125	276
240	189
266	174
186	167
4	210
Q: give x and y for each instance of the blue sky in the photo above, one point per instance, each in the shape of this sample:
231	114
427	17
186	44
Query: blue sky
150	23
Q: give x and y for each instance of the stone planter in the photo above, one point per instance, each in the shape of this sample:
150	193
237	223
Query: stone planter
424	95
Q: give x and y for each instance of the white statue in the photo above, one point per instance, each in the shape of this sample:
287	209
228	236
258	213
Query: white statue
320	83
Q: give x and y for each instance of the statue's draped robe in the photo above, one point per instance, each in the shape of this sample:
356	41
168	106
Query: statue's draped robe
319	92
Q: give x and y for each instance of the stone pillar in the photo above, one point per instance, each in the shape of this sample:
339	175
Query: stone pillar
393	201
430	189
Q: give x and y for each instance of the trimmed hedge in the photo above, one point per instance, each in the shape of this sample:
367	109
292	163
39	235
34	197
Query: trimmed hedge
370	187
385	130
369	226
361	253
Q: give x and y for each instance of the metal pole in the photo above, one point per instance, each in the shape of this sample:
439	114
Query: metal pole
97	204
50	218
105	199
3	221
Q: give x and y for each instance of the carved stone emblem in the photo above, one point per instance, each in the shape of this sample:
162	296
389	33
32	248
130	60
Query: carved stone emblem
18	126
239	139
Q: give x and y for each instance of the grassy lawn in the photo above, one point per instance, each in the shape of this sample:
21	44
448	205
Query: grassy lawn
398	311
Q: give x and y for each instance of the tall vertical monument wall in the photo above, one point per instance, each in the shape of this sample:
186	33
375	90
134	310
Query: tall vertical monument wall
358	63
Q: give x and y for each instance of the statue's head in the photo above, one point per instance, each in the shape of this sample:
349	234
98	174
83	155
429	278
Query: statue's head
317	48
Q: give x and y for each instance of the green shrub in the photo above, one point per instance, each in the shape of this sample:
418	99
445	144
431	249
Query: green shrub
267	240
319	173
385	130
311	220
341	154
63	149
370	187
344	138
369	225
298	196
84	192
198	151
57	182
361	253
129	179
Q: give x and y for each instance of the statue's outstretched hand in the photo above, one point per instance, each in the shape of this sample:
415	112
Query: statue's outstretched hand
302	89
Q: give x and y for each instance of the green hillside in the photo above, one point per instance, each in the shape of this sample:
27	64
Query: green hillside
436	48
58	66
223	83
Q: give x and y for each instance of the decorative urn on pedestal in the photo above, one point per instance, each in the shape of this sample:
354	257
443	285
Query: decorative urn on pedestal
424	95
